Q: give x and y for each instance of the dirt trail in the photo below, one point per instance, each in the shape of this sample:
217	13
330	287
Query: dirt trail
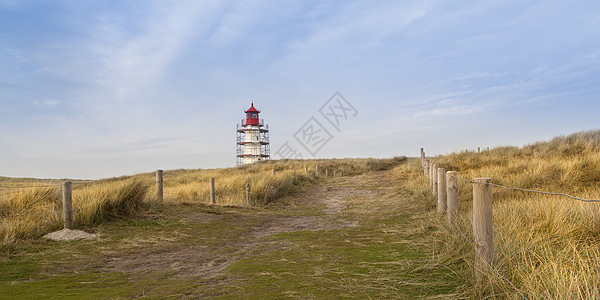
356	237
184	260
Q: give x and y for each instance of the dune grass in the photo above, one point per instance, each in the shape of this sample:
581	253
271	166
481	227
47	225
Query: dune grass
192	186
548	246
30	208
32	212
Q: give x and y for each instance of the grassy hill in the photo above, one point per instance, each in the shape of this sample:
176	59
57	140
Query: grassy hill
548	246
30	208
372	233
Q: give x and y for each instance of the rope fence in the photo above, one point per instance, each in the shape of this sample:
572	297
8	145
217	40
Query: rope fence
445	187
537	192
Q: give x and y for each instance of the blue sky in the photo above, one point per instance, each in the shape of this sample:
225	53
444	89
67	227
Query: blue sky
92	89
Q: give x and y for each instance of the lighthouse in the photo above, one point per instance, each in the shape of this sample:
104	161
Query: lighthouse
252	138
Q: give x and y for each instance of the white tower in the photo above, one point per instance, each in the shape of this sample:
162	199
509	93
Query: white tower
252	138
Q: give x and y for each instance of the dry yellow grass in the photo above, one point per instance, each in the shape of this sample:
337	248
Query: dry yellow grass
192	186
548	246
31	212
30	208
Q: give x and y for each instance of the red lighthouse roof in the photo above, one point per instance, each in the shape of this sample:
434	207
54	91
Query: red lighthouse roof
252	109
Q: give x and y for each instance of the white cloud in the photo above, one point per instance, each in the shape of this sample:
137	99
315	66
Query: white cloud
368	23
132	63
130	78
444	109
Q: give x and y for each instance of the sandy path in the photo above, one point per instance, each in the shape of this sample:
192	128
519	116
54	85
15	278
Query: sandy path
205	262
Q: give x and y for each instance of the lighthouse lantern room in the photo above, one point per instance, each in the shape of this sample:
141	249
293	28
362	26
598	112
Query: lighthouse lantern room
252	138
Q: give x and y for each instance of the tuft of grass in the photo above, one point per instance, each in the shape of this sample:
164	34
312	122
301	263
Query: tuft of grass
32	212
546	245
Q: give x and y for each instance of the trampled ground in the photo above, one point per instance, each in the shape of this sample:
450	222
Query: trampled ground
349	237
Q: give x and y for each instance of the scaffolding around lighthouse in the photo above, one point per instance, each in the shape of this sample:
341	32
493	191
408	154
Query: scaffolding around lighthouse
252	138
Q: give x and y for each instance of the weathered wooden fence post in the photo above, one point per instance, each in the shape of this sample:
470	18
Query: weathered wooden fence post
326	173
441	205
67	193
305	170
430	164
482	226
478	149
452	196
248	194
317	170
159	185
434	179
272	171
213	199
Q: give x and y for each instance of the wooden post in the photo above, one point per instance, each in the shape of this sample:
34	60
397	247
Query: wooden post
213	199
305	170
431	165
292	169
434	179
326	173
441	205
247	194
482	225
334	173
429	169
67	192
478	149
452	196
317	170
488	148
159	185
272	171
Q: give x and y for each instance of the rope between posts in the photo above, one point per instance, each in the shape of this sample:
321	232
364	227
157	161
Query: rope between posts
485	261
533	191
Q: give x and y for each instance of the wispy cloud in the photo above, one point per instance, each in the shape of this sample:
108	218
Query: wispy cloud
116	81
448	107
131	63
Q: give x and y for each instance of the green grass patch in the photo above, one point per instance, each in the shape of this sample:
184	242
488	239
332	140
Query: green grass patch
348	263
